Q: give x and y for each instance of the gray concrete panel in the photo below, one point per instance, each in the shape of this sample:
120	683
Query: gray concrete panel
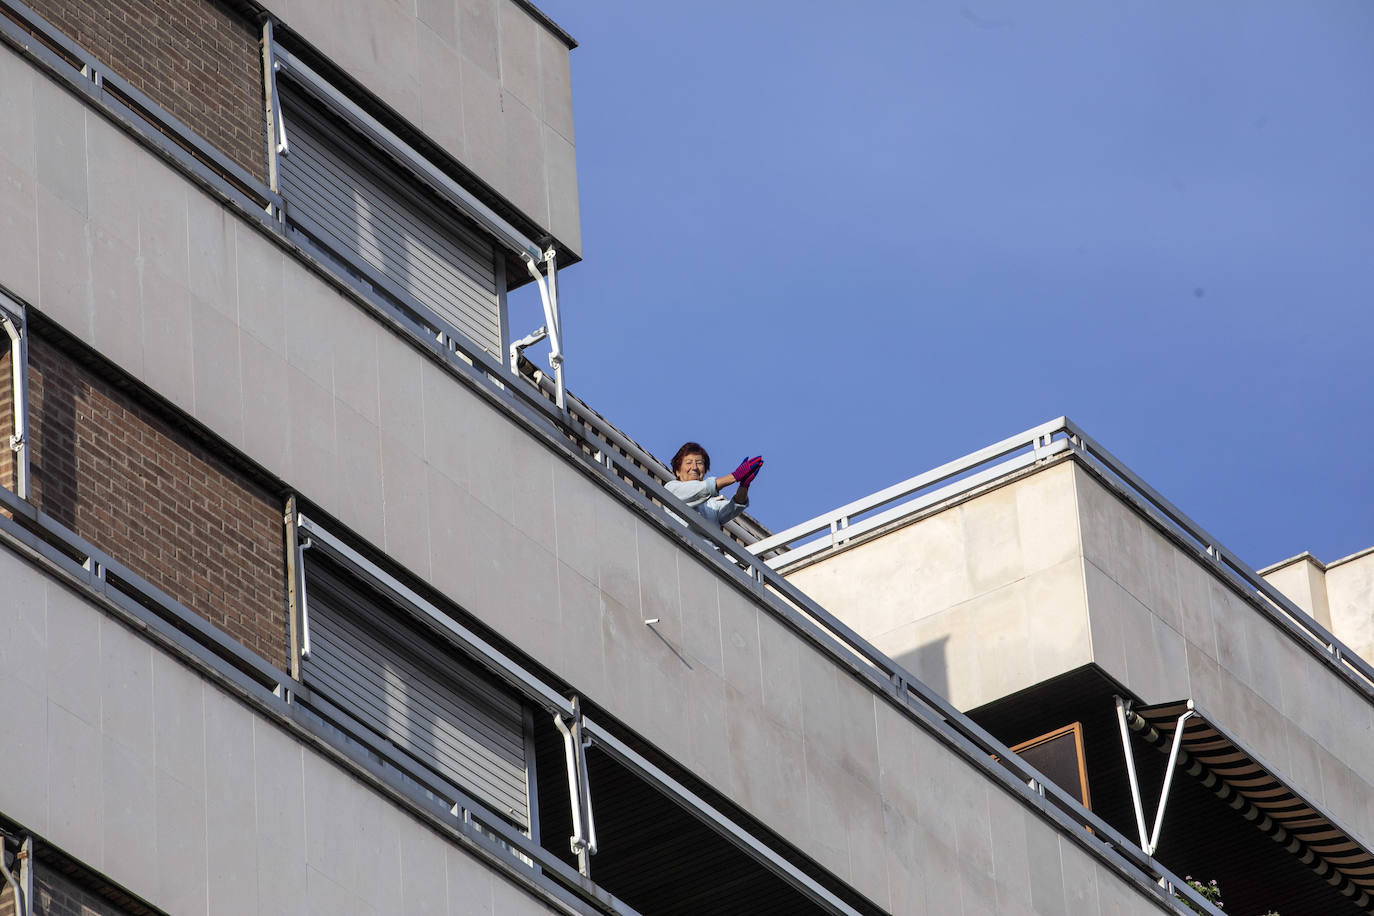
166	339
399	395
441	16
59	131
354	336
523	154
581	629
76	814
229	780
64	264
560	168
358	450
424	886
699	601
129	816
519	54
468	884
451	536
27	748
112	174
405	505
309	343
555	90
313	442
17	80
163	242
178	722
530	474
183	884
24	626
262	307
441	87
575	501
265	409
479	34
210	238
73	646
126	688
217	384
19	227
484	131
117	298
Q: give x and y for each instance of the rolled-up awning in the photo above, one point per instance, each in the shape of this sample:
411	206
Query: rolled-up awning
1236	776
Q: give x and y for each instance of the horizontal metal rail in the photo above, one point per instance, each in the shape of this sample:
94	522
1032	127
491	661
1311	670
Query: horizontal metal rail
912	495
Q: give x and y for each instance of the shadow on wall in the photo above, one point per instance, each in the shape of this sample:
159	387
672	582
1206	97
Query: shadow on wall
930	665
52	434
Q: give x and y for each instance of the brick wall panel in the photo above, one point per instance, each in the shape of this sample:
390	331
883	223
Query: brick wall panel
158	500
196	58
7	468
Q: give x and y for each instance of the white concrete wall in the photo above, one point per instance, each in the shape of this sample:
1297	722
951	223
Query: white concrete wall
1350	590
232	329
960	598
135	764
1303	580
484	79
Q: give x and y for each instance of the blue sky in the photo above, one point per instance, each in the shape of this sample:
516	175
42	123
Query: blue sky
863	239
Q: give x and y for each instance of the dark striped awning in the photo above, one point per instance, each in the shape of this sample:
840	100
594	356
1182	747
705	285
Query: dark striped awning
1236	777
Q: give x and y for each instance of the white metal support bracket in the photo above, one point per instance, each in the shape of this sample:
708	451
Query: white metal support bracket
12	318
548	295
575	742
22	884
301	547
1150	842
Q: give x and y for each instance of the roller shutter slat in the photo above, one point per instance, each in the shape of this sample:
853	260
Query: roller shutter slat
415	692
334	179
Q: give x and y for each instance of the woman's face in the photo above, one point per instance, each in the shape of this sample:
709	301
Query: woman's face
692	467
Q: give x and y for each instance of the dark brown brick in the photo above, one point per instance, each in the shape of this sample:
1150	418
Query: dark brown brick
7	475
195	58
179	516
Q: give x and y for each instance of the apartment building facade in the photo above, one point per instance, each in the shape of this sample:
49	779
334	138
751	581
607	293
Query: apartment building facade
317	598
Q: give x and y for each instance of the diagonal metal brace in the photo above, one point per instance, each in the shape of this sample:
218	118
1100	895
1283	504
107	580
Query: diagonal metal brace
1149	843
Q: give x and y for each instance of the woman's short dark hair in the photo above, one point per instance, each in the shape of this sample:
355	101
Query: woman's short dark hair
690	448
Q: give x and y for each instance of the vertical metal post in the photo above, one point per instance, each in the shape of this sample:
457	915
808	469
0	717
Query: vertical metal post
26	876
1130	769
583	840
295	587
1168	780
12	316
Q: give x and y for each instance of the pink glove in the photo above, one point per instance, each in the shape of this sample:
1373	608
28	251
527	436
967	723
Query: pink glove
748	469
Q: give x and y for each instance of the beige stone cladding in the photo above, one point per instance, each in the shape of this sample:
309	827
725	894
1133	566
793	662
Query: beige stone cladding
487	80
1350	591
1340	594
979	600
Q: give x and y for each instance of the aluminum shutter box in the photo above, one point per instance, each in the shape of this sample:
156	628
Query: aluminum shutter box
418	693
353	200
